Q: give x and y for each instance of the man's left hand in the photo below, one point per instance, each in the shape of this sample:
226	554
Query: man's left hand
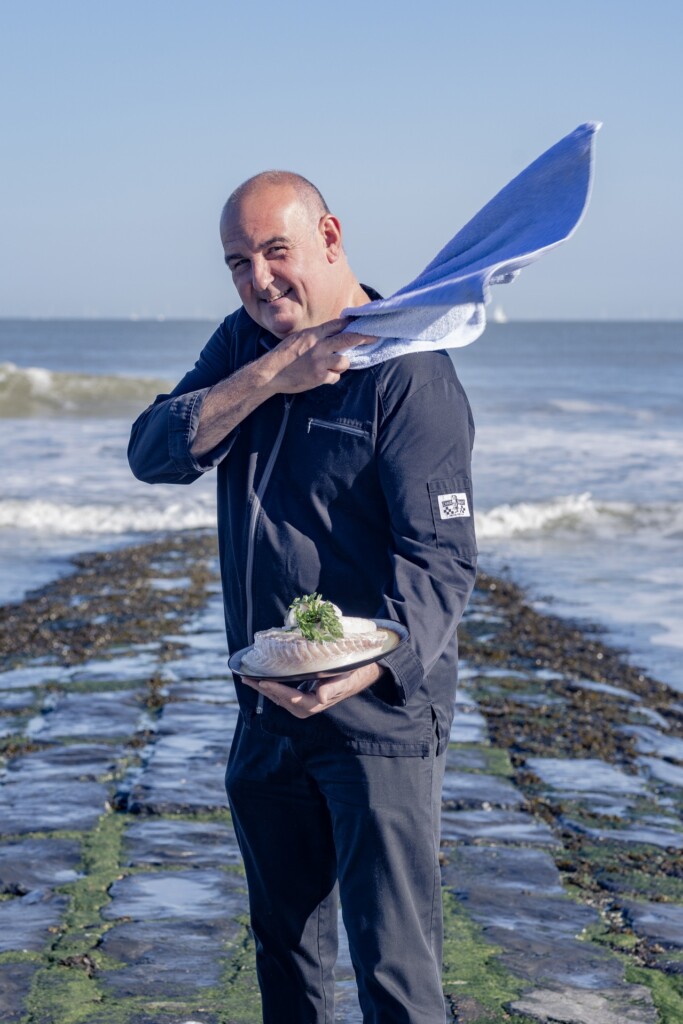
326	694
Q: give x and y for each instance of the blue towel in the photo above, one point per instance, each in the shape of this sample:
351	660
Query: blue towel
444	306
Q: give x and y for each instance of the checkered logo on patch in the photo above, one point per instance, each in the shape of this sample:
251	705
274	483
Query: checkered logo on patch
453	506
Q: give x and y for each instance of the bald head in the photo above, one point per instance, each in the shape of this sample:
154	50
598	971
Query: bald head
284	250
305	191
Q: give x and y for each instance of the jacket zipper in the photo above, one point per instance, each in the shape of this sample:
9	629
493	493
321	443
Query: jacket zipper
256	509
344	427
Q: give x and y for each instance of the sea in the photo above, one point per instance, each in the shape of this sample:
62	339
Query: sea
578	464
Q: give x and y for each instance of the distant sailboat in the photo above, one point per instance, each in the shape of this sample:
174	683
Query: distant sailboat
498	315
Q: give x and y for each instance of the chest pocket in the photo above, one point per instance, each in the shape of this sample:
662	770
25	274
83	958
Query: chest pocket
329	457
353	427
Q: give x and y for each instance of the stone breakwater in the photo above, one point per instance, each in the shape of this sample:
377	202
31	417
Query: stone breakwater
122	897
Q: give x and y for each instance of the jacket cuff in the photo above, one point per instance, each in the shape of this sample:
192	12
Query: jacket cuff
408	673
183	423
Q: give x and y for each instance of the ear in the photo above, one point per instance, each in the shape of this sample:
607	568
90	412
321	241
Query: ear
331	232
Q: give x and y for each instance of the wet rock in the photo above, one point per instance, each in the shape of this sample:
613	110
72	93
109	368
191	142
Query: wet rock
31	675
468	727
469	759
538	936
74	715
503	826
17	700
167	959
183	774
585	775
29	807
134	666
466	789
35	863
10	727
200	895
637	833
198	844
652	741
661	922
536	700
471	868
25	922
218	690
212	722
15	985
612	691
76	761
630	1005
663	771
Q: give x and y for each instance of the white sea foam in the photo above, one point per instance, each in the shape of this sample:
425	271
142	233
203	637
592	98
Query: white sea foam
64	519
578	512
34	391
580	405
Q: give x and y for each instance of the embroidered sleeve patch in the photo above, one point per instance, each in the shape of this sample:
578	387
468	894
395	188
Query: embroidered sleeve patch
453	506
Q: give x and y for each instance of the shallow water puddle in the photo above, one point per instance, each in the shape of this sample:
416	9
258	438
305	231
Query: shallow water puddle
199	894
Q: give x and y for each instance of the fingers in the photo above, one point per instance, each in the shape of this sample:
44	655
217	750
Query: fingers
332	332
350	340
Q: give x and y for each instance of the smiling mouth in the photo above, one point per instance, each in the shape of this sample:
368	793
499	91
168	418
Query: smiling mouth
276	298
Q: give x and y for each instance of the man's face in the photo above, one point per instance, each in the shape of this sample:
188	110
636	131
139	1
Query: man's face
281	257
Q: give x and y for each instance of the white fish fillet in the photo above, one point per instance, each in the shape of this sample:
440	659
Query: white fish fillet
285	650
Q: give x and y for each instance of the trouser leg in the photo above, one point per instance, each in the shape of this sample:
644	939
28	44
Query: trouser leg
284	831
386	817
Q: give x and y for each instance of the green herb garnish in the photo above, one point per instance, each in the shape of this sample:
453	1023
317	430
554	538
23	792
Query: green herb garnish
316	618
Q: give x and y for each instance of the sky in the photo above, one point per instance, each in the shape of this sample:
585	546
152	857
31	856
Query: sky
125	126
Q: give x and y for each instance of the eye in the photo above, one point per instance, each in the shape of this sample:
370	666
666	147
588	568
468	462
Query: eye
277	250
237	264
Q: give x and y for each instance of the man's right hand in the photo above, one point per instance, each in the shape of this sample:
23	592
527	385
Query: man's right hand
309	358
300	362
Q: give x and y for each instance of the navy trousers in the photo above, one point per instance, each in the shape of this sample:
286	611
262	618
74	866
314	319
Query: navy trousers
312	823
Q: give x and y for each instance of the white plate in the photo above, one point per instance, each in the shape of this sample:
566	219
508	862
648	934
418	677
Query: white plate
397	635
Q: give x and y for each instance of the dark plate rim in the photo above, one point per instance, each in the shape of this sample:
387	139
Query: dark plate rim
235	660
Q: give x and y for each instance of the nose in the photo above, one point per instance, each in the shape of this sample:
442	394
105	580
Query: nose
260	273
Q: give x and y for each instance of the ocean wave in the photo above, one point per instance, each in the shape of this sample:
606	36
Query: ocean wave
573	513
64	519
584	407
33	391
578	512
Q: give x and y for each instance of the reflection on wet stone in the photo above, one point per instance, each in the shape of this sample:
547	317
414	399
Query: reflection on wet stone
504	826
25	921
661	922
108	715
200	894
571	1007
53	805
199	844
32	863
78	761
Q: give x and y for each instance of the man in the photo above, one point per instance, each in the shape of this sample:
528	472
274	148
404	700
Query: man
354	484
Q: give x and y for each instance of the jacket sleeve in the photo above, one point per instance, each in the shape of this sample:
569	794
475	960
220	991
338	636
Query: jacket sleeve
424	456
161	438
